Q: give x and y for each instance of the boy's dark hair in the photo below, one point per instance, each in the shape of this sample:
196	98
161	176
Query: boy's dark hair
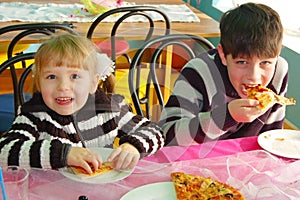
251	30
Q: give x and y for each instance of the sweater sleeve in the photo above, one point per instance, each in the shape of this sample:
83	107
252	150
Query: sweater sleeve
21	146
197	110
139	131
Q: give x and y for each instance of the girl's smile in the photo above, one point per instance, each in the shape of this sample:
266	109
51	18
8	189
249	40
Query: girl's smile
64	100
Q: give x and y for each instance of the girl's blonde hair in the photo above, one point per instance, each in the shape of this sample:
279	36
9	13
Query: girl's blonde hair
72	51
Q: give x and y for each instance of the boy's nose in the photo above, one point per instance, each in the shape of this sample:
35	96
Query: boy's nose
253	73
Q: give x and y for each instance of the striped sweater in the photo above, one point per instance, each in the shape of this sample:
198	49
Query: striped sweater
41	138
197	108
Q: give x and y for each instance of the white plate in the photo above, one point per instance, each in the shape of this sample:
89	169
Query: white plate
108	177
281	142
157	191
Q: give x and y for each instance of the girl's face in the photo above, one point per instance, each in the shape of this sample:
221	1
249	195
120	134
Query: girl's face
65	90
245	71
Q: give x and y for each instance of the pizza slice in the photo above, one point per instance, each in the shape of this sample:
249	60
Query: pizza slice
266	96
189	187
106	167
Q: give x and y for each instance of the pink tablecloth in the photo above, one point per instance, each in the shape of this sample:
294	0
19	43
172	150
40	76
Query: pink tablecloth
256	173
206	150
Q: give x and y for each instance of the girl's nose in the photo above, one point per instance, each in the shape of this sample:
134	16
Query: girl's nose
64	84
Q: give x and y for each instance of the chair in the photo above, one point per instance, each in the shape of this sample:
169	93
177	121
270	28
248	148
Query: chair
114	47
17	33
22	88
165	52
23	30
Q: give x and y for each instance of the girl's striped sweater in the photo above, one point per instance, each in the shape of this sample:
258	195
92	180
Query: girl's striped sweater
41	138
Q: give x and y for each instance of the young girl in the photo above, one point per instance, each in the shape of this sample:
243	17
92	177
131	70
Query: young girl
69	113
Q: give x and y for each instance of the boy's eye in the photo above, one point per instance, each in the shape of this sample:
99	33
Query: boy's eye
51	76
74	76
265	63
241	62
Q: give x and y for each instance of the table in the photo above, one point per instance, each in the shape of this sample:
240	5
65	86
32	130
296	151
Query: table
240	162
207	27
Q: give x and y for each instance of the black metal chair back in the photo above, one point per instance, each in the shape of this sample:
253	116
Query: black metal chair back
24	30
125	13
157	47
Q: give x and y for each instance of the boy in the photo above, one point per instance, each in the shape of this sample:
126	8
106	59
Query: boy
216	105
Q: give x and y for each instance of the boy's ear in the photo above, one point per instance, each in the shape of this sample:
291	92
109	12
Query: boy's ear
222	55
94	83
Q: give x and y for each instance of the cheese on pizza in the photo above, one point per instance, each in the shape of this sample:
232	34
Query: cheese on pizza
194	187
106	167
266	96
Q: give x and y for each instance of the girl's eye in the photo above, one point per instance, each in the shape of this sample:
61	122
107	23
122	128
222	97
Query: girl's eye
74	76
51	76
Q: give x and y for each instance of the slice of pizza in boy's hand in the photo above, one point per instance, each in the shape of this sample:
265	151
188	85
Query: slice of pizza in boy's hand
265	96
106	167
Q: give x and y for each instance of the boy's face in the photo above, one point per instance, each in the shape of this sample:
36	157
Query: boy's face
65	90
245	71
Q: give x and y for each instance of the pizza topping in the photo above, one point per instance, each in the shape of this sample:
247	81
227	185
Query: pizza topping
266	96
188	186
106	167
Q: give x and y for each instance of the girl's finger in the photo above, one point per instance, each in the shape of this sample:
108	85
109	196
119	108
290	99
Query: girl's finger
114	154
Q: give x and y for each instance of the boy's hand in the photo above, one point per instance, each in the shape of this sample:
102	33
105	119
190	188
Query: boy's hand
245	110
81	157
125	157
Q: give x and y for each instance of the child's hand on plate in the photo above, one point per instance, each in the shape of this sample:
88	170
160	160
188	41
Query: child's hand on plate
84	158
125	157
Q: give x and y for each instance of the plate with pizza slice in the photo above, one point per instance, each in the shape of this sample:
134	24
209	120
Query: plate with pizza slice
185	186
281	142
106	174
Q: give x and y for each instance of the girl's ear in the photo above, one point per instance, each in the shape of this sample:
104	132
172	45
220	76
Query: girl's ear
94	83
222	55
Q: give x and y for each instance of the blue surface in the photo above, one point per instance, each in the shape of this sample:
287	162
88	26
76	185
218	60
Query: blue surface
7	113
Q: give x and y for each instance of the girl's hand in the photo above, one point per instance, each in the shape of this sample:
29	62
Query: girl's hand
84	158
245	110
125	157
